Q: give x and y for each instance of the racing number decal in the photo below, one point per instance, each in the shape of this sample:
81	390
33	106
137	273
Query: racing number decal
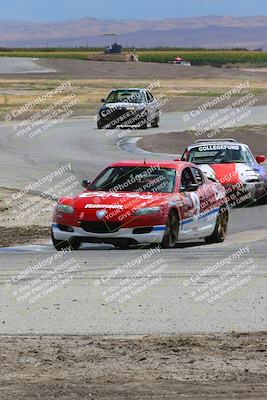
196	201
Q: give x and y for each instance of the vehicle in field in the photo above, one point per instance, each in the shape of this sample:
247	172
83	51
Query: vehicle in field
233	164
180	61
129	108
115	48
135	202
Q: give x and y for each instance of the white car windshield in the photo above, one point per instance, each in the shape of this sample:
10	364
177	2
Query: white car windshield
220	154
125	96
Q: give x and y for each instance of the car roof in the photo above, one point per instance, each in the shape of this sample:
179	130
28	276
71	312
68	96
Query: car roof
210	142
128	89
178	165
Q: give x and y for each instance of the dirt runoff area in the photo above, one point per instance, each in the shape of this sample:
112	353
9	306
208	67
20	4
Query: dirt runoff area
176	142
230	366
24	222
88	69
178	88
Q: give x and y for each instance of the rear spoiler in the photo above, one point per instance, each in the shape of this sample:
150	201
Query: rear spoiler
215	140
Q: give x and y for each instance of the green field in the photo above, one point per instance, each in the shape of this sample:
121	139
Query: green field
207	57
72	54
216	58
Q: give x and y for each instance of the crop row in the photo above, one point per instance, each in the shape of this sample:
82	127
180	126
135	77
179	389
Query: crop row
215	58
206	57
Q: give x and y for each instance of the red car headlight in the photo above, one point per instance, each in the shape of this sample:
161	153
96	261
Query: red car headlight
64	208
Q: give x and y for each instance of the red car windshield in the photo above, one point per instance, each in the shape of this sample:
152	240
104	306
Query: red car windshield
136	179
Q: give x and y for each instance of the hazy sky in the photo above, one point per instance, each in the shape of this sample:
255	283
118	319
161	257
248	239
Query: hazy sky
61	10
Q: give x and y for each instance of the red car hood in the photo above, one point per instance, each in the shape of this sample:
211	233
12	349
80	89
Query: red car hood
231	174
115	204
226	173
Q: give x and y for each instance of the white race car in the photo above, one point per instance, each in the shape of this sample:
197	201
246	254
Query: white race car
233	164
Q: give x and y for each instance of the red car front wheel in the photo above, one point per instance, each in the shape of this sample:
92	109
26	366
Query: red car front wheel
172	229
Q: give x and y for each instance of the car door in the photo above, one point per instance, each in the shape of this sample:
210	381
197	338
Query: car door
208	203
150	106
191	206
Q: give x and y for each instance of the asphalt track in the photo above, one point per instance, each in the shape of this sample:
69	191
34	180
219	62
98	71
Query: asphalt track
81	305
21	65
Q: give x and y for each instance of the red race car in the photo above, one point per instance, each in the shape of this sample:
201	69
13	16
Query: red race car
141	202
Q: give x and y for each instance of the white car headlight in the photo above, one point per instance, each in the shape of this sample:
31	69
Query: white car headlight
64	208
147	211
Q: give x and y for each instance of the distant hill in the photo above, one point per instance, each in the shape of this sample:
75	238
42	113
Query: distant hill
210	31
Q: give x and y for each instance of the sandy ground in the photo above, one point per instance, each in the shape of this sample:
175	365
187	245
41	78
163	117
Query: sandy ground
253	136
14	222
232	366
81	69
258	70
13	236
90	69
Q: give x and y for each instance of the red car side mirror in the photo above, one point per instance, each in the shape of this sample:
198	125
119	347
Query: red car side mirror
85	183
260	159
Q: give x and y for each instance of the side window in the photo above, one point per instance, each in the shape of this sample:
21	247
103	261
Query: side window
187	177
144	96
248	157
185	156
198	175
149	96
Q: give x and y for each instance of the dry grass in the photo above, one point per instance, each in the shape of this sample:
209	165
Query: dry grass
17	92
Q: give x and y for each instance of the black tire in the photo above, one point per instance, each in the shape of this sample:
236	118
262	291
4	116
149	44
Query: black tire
75	244
143	123
155	124
99	125
219	233
172	230
144	126
262	200
63	244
